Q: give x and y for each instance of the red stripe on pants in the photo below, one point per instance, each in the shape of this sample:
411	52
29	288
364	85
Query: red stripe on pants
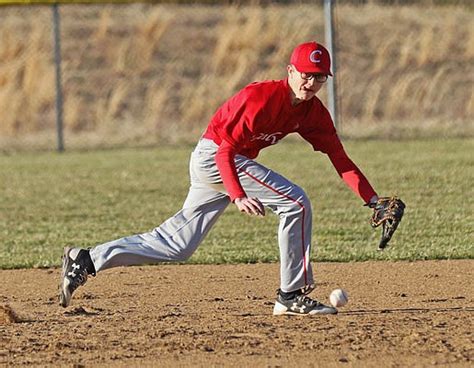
302	223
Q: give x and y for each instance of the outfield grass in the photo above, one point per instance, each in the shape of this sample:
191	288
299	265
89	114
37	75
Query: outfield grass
51	200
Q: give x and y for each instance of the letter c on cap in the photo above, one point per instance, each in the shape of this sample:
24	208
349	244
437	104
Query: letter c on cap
314	56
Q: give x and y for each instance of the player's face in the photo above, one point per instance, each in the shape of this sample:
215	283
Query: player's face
304	85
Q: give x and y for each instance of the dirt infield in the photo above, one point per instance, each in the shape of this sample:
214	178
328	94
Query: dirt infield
399	314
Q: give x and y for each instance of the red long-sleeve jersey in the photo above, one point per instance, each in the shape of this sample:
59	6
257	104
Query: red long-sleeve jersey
260	115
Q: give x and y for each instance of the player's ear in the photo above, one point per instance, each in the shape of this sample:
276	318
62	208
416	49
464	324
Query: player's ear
289	69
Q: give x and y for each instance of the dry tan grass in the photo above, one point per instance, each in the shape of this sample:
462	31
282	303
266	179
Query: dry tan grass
26	78
144	73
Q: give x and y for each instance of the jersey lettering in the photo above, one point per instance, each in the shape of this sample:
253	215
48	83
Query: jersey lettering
272	138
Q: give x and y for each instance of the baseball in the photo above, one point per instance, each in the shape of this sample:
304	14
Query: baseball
338	298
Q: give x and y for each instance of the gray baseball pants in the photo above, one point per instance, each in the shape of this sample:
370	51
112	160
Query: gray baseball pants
179	236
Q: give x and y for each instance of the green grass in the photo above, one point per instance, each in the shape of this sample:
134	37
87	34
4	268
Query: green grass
51	200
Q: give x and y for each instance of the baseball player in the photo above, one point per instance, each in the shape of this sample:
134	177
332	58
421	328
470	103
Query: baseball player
223	171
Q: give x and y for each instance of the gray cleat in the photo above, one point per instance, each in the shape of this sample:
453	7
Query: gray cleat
77	265
300	305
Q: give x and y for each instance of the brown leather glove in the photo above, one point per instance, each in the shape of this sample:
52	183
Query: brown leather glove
388	212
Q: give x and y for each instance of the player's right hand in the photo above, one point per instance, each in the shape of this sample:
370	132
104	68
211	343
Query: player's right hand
251	206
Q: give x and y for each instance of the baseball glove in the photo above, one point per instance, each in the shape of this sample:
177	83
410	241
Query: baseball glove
388	212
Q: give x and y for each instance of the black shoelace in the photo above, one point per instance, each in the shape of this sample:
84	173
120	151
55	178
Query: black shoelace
307	300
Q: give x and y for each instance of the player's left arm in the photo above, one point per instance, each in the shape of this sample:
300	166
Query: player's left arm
388	211
319	131
352	175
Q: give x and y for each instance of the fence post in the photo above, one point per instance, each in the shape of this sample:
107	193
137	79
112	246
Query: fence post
57	64
330	37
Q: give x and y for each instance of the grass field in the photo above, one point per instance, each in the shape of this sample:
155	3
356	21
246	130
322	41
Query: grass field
84	198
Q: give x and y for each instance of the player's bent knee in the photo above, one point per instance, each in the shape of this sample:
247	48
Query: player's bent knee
298	203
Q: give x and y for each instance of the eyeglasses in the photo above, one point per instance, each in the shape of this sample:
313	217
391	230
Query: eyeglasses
320	78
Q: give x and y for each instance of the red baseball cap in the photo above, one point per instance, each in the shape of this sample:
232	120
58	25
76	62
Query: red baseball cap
311	57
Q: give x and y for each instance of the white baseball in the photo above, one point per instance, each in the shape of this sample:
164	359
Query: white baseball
338	298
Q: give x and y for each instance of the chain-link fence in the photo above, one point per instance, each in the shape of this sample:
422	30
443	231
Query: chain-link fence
140	74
